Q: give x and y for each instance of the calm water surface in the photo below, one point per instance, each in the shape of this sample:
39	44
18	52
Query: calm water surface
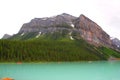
101	70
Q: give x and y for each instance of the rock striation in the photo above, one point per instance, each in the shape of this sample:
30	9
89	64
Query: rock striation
82	25
47	24
92	32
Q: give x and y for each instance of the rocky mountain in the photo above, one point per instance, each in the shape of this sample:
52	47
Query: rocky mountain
73	27
116	43
6	36
60	38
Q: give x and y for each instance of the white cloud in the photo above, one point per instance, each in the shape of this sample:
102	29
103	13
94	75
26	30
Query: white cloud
13	13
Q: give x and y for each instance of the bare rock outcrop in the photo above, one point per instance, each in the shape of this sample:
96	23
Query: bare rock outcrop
6	36
92	32
47	23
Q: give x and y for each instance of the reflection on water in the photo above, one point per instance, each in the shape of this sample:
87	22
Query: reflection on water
101	70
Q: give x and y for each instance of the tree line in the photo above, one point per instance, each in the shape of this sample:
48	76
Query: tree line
46	50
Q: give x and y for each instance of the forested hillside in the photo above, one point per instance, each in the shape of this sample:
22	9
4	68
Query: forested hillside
52	50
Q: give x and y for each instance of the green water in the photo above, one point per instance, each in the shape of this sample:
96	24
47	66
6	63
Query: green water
103	70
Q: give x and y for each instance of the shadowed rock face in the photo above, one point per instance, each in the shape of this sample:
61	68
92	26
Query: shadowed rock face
6	36
92	32
116	43
86	28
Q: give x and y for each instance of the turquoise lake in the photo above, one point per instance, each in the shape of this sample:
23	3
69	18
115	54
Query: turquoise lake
98	70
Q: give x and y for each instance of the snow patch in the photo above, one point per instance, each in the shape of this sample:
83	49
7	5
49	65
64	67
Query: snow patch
72	25
111	38
38	34
71	38
44	18
22	34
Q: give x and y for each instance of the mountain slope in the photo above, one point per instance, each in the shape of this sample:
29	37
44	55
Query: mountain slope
92	32
47	24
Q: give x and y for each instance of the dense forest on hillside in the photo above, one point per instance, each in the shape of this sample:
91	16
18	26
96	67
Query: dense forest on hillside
52	50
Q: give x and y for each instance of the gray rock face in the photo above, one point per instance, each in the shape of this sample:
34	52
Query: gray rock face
6	36
47	23
85	27
116	43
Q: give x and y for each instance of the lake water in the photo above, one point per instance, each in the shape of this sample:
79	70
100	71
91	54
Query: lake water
99	70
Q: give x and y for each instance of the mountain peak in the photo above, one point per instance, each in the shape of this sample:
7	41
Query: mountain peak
116	43
91	31
6	36
83	17
65	14
39	24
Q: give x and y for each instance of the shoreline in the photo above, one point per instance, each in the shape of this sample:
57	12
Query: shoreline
115	59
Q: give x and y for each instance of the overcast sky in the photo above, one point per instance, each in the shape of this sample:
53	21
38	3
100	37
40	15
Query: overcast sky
13	13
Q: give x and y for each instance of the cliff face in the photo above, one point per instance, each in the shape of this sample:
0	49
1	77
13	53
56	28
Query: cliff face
83	26
92	32
47	24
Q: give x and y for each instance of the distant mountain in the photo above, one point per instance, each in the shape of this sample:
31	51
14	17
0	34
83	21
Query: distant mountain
6	36
116	43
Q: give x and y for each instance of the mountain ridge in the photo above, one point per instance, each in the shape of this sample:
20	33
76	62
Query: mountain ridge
47	22
82	26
